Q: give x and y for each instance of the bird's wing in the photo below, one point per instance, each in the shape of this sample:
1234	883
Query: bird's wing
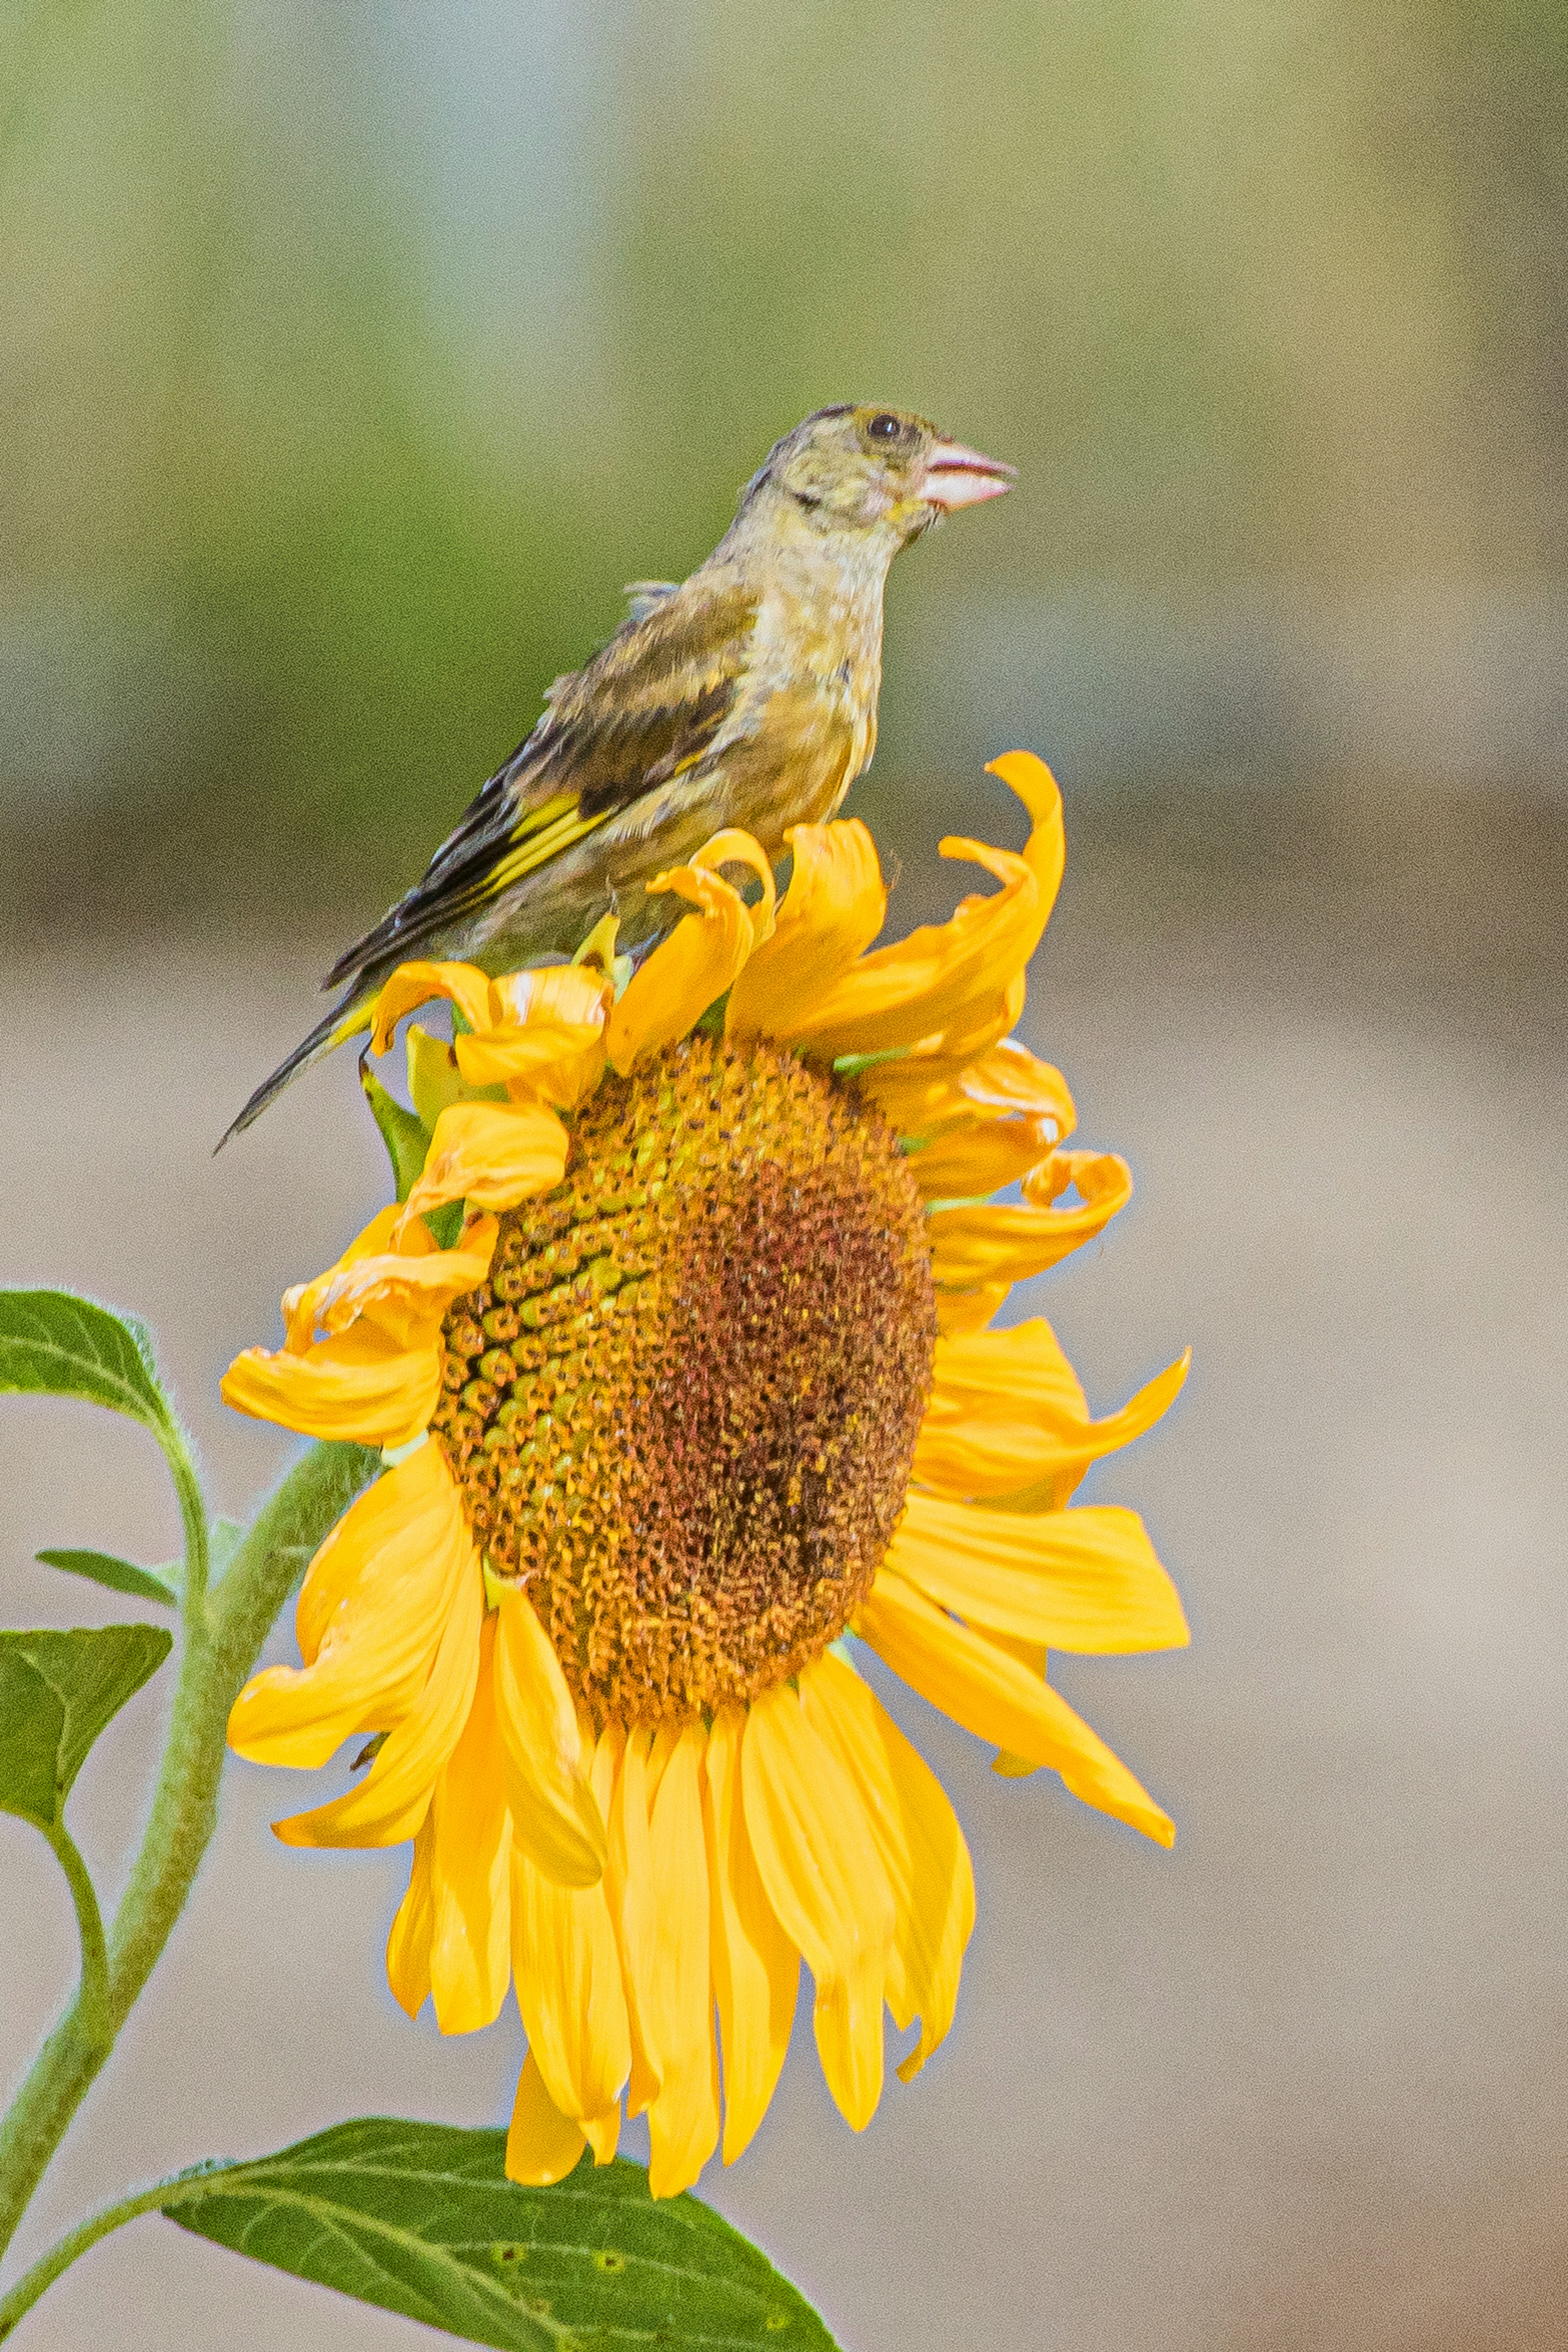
643	711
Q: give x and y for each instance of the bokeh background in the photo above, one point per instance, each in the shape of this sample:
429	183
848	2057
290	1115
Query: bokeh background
350	360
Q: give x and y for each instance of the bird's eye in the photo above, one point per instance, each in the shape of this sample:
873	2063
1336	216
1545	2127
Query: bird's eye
885	427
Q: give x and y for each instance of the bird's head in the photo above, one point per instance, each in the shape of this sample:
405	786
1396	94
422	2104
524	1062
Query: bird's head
883	472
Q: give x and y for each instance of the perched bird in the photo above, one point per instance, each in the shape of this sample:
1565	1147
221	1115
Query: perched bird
746	696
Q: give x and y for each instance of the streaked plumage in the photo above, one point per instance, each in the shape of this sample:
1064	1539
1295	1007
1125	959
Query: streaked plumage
746	696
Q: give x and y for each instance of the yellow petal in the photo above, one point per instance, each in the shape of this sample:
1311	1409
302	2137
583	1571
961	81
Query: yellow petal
392	1800
335	1392
470	1867
974	1160
926	984
918	1839
967	1311
368	1619
819	1863
998	1699
566	992
404	1292
974	1245
492	1155
927	1095
542	2144
832	910
987	1434
570	1995
735	847
413	984
1085	1580
755	1967
632	1896
559	1061
687	973
555	1818
408	1945
674	1998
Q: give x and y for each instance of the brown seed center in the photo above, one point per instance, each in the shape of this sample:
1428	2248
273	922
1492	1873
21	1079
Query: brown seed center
684	1407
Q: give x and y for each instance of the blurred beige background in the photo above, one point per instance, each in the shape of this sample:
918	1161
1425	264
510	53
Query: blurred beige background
348	364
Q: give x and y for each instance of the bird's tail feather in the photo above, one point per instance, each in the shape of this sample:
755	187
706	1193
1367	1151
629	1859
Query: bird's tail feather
345	1021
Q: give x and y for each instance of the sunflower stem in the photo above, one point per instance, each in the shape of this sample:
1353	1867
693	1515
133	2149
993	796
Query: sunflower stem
223	1634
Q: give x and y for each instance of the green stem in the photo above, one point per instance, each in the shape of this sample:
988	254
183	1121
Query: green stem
48	2268
222	1638
92	1994
193	1517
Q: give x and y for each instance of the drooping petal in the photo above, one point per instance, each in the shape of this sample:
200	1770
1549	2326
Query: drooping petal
555	1818
413	984
1085	1580
629	1887
542	2144
734	846
492	1155
369	1618
927	1095
991	1694
570	1995
832	910
974	1245
687	973
408	1945
470	1834
824	1878
392	1800
755	1967
675	1995
379	1395
920	1842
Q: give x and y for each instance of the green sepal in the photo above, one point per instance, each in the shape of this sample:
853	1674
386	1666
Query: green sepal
57	1692
404	1133
445	1223
421	2219
435	1080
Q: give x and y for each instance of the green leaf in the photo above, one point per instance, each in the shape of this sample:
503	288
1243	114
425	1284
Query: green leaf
55	1344
161	1583
119	1575
404	1133
57	1691
421	2219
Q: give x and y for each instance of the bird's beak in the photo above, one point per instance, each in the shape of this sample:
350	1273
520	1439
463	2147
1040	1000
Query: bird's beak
957	477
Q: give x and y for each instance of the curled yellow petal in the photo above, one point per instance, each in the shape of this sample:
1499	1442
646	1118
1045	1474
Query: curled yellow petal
970	1246
996	1698
1008	1419
735	847
832	910
404	1291
470	1846
968	1310
368	1619
561	1061
334	1392
687	973
920	1843
568	993
755	1967
1085	1580
820	1866
929	982
927	1095
492	1155
542	2144
413	984
555	1817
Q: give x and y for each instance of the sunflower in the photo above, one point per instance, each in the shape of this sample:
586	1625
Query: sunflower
679	1349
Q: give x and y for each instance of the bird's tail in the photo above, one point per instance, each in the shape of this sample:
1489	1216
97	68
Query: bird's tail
346	1020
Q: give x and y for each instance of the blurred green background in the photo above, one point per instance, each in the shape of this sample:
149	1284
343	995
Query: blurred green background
353	359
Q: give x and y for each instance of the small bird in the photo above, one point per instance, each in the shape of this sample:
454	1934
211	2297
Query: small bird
746	695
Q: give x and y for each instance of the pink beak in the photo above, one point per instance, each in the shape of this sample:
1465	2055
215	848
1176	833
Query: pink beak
957	477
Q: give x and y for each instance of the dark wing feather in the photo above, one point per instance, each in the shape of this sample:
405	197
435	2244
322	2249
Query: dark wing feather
646	707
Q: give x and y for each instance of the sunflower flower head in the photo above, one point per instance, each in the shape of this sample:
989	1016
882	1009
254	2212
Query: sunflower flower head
678	1346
